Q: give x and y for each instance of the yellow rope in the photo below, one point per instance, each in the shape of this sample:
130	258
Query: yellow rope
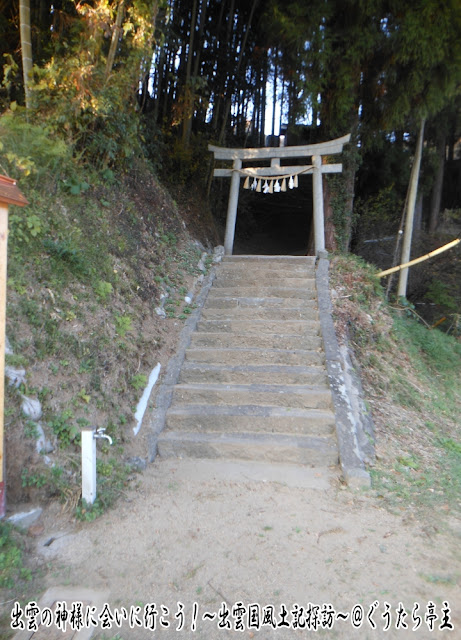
445	247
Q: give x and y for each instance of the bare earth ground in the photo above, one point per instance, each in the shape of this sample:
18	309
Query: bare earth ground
207	533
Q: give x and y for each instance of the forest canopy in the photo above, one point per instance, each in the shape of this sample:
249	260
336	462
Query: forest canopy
162	78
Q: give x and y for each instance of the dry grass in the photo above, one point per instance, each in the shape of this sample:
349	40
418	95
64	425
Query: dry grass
410	376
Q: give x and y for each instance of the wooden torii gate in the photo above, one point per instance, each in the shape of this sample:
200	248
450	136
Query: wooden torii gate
280	172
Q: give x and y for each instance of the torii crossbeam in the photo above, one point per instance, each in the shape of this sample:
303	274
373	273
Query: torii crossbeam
276	170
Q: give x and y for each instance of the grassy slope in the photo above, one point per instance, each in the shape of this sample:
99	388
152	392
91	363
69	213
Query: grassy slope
412	384
89	260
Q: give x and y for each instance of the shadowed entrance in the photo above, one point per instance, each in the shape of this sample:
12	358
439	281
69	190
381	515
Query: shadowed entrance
278	224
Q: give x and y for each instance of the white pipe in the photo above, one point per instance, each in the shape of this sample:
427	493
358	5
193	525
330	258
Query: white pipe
142	404
88	465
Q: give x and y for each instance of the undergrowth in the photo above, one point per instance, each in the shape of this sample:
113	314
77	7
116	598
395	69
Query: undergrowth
12	569
412	383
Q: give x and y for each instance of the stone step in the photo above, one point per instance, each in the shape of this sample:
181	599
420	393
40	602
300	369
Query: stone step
269	304
301	293
260	374
268	340
255	356
277	270
278	261
251	419
248	446
291	327
234	471
224	280
253	385
259	313
292	396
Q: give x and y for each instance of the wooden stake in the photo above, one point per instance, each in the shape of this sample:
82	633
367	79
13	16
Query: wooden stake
3	258
9	194
408	232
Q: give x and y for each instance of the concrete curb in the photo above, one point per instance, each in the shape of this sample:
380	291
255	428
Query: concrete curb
349	424
164	394
366	431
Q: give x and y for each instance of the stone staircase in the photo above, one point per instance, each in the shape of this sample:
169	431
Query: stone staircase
253	384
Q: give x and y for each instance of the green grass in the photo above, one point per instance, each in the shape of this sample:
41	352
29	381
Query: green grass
416	372
12	569
123	324
430	350
139	381
436	358
449	464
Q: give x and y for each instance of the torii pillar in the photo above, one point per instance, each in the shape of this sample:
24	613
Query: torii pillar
276	170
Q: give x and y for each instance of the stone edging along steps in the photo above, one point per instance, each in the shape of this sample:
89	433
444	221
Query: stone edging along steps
257	375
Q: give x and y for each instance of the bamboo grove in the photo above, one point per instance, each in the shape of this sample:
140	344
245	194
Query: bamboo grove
115	78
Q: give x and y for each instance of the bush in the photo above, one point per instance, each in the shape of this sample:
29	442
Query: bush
31	151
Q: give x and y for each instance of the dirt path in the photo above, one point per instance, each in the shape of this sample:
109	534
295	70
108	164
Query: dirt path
212	533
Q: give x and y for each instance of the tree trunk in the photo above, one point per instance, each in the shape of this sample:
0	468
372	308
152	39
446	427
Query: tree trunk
200	114
346	194
418	221
220	83
198	52
436	198
161	75
330	231
349	171
227	108
41	20
291	103
452	140
262	136
26	47
282	97
397	244
188	94
168	94
274	97
406	247
115	38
